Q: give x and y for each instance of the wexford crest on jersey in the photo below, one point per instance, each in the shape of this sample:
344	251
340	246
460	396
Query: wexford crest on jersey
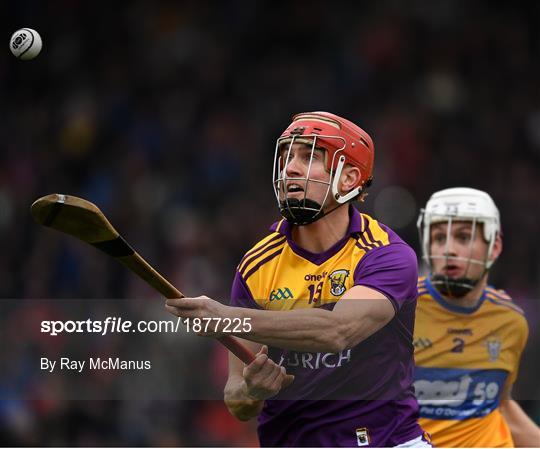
337	281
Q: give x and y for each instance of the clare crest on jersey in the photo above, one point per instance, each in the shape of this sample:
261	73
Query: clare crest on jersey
493	345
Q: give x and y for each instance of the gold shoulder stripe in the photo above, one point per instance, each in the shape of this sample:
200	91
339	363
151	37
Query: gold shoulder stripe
269	255
262	242
506	304
272	247
362	243
375	235
362	248
498	293
499	299
259	247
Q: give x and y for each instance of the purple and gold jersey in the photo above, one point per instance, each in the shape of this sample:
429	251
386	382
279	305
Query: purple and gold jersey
465	357
362	396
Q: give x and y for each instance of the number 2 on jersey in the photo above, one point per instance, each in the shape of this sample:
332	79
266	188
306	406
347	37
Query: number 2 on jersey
459	344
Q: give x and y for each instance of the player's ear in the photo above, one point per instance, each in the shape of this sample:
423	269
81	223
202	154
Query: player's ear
350	177
497	247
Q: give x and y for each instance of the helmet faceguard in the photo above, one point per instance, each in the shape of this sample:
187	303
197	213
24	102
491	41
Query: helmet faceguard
450	206
343	143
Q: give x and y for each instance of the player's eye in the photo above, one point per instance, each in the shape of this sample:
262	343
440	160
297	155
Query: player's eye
439	238
464	238
283	154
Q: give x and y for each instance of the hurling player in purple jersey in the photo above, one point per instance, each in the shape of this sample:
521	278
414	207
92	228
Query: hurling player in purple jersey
330	297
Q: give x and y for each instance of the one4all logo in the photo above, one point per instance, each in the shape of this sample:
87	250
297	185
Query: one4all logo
281	293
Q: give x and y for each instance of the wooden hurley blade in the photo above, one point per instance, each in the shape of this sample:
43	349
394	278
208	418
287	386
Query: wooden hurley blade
83	220
74	216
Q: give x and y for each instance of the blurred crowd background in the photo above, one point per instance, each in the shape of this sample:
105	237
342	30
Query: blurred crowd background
165	114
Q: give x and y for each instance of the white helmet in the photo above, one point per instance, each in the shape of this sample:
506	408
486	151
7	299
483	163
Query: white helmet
460	204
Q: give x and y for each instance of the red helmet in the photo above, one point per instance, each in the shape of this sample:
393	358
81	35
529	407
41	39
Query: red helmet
344	142
335	134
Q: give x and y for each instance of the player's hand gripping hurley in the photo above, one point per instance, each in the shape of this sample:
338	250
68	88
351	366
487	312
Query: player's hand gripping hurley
83	220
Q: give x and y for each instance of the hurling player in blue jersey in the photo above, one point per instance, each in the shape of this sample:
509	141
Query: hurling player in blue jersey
469	336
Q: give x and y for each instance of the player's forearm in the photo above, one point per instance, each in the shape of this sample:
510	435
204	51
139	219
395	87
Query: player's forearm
310	330
525	432
239	404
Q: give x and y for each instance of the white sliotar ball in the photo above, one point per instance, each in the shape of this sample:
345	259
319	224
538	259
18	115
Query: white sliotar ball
25	43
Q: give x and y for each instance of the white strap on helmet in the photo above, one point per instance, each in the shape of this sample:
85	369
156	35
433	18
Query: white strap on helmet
335	184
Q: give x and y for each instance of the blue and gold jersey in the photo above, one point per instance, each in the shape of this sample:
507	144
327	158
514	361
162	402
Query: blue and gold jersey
464	359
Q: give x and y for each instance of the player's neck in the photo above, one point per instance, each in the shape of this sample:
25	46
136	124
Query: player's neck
471	299
324	233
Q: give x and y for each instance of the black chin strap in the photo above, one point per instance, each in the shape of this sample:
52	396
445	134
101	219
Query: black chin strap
300	212
453	287
303	212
